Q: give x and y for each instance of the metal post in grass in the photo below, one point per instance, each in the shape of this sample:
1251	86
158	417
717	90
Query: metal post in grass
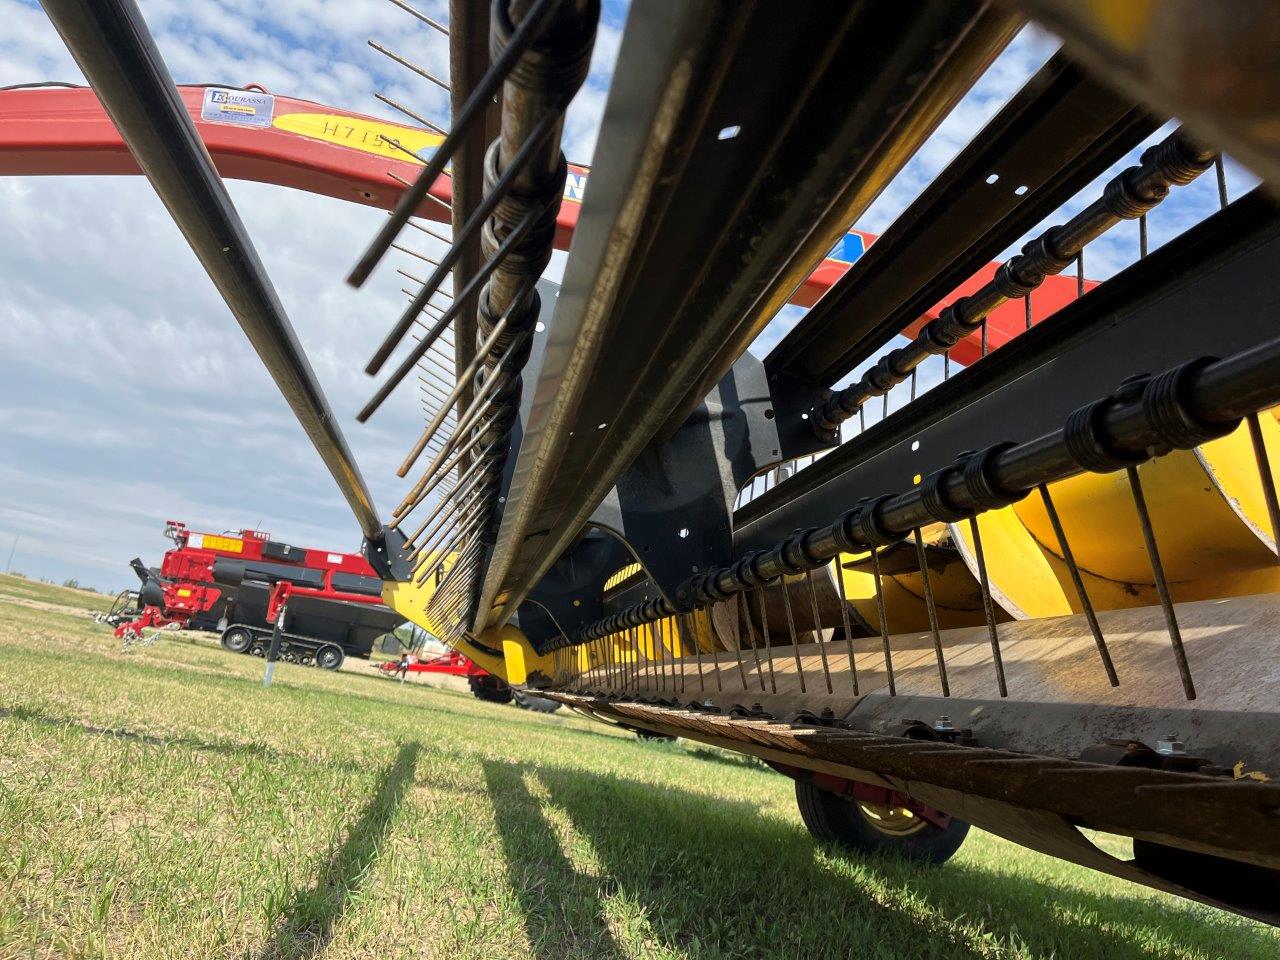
273	651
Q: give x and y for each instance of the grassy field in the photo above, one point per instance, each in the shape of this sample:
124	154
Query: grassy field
162	804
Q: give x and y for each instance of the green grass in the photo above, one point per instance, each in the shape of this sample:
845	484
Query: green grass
162	804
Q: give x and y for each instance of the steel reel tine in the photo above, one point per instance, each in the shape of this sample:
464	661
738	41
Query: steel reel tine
475	105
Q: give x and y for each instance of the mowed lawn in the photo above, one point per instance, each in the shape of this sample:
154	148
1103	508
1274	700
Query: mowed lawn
161	804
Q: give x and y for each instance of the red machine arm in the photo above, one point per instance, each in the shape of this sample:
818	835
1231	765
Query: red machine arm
253	135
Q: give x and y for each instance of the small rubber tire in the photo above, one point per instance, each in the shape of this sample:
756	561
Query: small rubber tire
330	657
237	640
529	701
497	692
1244	886
846	825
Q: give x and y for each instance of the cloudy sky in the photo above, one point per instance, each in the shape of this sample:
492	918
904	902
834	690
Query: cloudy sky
128	394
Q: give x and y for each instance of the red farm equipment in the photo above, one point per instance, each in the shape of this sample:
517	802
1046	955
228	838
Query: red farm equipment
483	684
241	583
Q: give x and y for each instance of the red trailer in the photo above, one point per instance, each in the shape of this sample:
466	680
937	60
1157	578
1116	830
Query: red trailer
484	685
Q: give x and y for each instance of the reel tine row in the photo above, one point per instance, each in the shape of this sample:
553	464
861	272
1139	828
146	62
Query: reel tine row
1129	196
473	386
1148	417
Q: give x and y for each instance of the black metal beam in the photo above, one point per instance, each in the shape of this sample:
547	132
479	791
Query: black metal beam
110	41
738	143
1051	140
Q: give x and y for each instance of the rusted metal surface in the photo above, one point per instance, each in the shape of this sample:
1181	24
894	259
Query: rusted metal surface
1034	800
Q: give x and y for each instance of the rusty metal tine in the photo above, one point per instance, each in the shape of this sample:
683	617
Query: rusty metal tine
884	622
1078	582
932	610
460	493
844	620
411	114
449	541
414	253
737	639
420	492
791	628
659	635
429	232
474	283
768	642
456	511
421	16
462	506
469	374
988	607
1162	585
474	223
817	629
475	106
483	403
744	601
461	527
689	629
409	65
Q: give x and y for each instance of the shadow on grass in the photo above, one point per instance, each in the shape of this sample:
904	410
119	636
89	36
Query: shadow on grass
562	912
714	878
308	920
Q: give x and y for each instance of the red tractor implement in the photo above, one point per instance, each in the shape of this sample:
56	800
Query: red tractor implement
240	584
484	685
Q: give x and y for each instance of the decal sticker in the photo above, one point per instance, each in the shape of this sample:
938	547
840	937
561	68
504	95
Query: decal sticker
245	108
226	544
391	140
848	248
367	136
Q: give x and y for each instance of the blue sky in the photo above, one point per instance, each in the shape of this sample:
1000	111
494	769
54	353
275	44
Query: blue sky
128	394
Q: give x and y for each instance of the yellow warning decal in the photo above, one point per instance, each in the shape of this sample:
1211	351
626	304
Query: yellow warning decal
367	136
226	544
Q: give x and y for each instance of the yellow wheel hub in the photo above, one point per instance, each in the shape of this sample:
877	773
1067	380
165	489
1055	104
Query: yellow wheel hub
895	821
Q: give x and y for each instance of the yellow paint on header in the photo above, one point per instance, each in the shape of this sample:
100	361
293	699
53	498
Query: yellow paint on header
367	136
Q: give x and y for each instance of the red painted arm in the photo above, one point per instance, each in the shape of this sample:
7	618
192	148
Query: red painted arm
309	146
